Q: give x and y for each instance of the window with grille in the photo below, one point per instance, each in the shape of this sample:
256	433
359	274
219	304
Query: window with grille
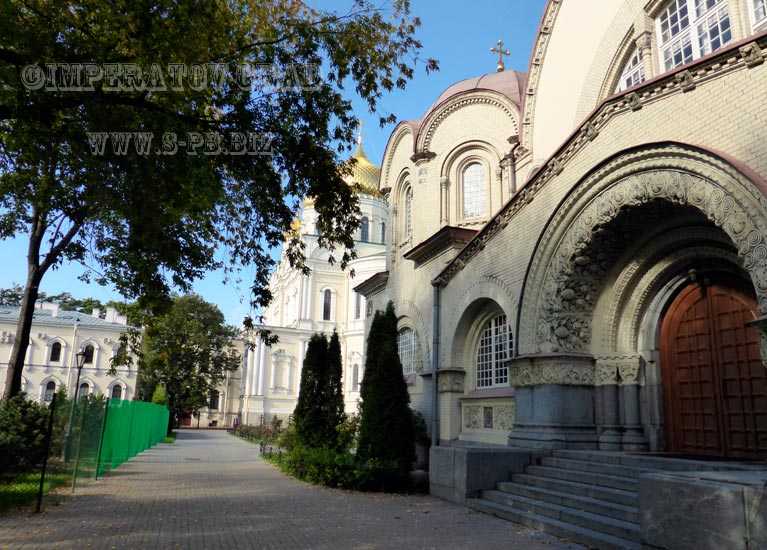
383	233
474	195
494	349
327	300
408	213
633	73
407	349
364	231
55	352
688	29
117	392
50	389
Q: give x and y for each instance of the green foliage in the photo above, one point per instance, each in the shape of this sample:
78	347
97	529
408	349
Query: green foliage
152	221
23	424
309	415
188	350
386	424
287	438
348	432
160	397
320	407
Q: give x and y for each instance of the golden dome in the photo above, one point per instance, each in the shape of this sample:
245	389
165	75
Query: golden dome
364	173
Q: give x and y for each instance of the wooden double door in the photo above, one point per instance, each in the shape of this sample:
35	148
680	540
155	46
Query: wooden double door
714	382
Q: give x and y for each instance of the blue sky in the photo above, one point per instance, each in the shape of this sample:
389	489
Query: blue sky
456	32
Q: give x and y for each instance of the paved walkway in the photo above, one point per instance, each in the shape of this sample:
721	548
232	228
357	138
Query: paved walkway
210	490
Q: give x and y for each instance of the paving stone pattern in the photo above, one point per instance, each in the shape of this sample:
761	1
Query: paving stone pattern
210	490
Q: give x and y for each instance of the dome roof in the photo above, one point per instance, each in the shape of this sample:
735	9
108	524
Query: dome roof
509	83
364	173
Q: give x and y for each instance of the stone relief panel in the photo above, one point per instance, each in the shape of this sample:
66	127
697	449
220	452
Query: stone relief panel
472	417
504	417
561	370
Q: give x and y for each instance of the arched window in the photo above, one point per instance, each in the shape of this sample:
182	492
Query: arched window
89	350
214	397
84	390
494	349
474	195
364	230
357	305
50	390
689	29
383	225
355	377
117	391
633	73
409	212
407	349
55	352
327	301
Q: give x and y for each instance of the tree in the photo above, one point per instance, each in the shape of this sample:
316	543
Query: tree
386	423
188	351
310	414
334	392
140	137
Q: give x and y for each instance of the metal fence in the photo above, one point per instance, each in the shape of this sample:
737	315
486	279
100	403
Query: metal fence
76	441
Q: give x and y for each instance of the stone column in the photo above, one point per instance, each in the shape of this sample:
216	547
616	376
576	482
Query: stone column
633	435
444	184
450	384
607	388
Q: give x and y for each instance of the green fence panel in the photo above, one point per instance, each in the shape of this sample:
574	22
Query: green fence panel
131	427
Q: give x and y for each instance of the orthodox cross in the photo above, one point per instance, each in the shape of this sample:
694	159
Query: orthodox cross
501	52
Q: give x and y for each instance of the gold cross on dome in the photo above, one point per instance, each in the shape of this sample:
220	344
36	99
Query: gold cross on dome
501	52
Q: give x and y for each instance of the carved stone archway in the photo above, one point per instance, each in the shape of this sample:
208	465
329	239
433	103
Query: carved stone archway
567	272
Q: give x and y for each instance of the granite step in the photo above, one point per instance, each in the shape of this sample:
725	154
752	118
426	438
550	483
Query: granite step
604	480
573	531
618	496
578	502
653	462
619	470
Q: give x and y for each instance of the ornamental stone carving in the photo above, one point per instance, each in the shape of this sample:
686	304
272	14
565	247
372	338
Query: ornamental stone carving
606	375
504	417
552	369
472	417
451	380
570	271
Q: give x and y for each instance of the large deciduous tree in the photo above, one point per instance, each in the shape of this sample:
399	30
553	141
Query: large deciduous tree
188	352
140	137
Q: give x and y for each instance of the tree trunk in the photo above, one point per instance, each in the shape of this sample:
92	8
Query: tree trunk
23	330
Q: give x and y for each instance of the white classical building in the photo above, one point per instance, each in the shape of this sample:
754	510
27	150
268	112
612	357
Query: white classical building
56	338
322	301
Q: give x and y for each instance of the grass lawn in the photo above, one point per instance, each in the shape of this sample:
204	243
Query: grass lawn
21	490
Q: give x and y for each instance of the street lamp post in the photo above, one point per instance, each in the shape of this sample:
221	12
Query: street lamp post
80	357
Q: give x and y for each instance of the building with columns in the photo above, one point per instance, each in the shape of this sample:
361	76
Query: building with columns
56	338
322	301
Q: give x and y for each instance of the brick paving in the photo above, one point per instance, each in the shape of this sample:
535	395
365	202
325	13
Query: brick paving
210	490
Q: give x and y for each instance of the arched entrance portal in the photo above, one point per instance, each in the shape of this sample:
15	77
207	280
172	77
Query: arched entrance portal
714	383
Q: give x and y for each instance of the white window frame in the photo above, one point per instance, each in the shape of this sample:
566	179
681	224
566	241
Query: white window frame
474	203
495	346
407	349
633	72
758	15
408	212
680	36
364	229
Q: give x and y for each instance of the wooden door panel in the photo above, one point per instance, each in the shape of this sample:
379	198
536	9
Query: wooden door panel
715	384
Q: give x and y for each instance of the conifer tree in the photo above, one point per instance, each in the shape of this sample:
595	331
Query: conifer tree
334	394
386	426
308	417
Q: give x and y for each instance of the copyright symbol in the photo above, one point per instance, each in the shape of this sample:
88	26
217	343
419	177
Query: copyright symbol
33	77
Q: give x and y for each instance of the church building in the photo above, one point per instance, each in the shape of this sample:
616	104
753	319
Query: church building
587	276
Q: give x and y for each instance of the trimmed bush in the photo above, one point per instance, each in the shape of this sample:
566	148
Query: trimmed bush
22	434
